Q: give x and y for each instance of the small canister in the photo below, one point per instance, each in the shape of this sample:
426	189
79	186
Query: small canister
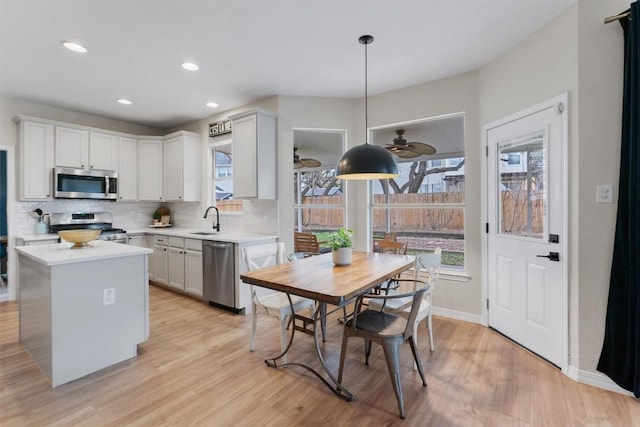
41	227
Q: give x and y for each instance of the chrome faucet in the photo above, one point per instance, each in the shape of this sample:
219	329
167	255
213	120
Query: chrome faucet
217	224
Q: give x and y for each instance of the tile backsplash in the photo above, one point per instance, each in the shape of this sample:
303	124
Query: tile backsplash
259	216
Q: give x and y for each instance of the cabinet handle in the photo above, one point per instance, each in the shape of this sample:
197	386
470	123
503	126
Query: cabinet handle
91	167
82	166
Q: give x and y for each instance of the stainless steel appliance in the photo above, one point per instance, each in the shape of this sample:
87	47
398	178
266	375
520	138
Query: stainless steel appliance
88	220
72	183
218	274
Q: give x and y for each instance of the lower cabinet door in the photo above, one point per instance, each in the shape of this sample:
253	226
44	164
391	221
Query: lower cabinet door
193	272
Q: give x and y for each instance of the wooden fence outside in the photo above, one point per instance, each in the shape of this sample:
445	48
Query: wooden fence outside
423	219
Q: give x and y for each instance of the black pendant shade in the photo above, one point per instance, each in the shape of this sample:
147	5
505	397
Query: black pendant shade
366	161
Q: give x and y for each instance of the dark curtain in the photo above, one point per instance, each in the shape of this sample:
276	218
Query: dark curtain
620	357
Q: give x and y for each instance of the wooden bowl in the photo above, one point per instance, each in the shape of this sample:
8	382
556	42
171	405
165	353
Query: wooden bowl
79	238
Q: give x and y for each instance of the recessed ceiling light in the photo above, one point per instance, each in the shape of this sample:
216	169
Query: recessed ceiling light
125	101
212	105
74	46
190	66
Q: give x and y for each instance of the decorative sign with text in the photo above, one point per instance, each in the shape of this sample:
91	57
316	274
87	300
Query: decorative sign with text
219	128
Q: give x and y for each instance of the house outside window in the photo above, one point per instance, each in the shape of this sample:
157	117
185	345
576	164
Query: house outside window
425	219
221	178
319	202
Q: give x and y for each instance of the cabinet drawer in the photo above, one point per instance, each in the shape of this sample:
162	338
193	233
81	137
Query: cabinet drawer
176	242
193	244
160	240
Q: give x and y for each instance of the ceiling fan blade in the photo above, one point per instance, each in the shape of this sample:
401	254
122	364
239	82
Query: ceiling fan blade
309	163
405	154
401	151
421	148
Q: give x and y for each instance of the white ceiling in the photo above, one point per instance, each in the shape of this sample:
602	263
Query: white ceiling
246	49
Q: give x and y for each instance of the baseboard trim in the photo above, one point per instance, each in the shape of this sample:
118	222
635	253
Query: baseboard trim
596	379
458	315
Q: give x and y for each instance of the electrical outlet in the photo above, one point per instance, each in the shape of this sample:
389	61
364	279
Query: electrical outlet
108	296
604	193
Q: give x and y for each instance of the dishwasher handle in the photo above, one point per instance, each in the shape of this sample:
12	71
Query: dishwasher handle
218	245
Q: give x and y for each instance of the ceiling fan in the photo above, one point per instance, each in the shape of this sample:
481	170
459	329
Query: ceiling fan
299	163
408	150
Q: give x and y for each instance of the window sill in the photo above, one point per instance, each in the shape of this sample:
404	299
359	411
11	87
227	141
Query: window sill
446	274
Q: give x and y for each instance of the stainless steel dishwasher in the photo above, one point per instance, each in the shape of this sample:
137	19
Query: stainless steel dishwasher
218	274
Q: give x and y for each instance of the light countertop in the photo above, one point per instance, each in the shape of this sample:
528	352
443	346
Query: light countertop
222	236
61	253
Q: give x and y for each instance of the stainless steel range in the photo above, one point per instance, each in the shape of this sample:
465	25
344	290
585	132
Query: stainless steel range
88	220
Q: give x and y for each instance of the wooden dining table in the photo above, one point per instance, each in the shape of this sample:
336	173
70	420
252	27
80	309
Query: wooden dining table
319	279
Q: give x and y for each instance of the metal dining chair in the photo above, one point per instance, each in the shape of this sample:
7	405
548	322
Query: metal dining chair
388	330
275	304
429	264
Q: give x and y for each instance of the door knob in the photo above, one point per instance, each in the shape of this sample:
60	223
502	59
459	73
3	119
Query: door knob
553	256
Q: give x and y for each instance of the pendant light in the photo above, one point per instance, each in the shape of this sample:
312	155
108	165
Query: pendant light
366	161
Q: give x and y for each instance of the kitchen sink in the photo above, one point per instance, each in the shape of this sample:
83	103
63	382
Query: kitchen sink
205	233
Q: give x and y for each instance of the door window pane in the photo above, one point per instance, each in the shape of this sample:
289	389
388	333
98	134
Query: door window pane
522	186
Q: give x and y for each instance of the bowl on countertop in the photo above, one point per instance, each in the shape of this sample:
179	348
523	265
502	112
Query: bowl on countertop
79	238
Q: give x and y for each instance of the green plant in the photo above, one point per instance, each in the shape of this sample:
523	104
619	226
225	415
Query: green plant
341	239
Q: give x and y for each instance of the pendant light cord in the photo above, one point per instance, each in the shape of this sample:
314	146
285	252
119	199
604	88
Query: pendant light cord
366	98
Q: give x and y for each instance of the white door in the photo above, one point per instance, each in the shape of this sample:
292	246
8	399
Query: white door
527	231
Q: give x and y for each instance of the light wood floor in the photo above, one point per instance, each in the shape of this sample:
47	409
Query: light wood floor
196	369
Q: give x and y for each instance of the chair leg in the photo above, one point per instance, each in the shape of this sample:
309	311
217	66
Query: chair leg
323	320
430	326
254	323
392	355
415	335
416	358
343	353
283	336
367	351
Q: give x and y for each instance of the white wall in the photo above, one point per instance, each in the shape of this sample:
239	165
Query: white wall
577	53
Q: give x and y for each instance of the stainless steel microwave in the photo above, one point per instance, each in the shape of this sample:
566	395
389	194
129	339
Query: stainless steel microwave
72	183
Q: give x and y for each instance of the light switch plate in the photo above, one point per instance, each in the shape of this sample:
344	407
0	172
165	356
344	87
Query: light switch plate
604	193
108	296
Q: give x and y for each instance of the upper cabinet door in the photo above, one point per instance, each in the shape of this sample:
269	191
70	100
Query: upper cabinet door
172	171
36	160
149	170
254	154
127	169
72	148
103	151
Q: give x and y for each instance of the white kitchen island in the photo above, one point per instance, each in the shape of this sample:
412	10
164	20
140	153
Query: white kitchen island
82	310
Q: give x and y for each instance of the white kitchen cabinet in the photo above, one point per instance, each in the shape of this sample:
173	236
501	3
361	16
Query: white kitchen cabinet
182	167
176	263
72	148
36	154
150	170
103	151
161	259
180	261
254	154
127	169
137	240
79	148
193	267
150	258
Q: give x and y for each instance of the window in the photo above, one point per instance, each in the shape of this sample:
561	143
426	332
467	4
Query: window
319	202
425	219
221	177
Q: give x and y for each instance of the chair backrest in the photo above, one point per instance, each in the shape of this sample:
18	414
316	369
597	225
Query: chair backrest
430	263
305	242
419	287
261	256
391	247
391	236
